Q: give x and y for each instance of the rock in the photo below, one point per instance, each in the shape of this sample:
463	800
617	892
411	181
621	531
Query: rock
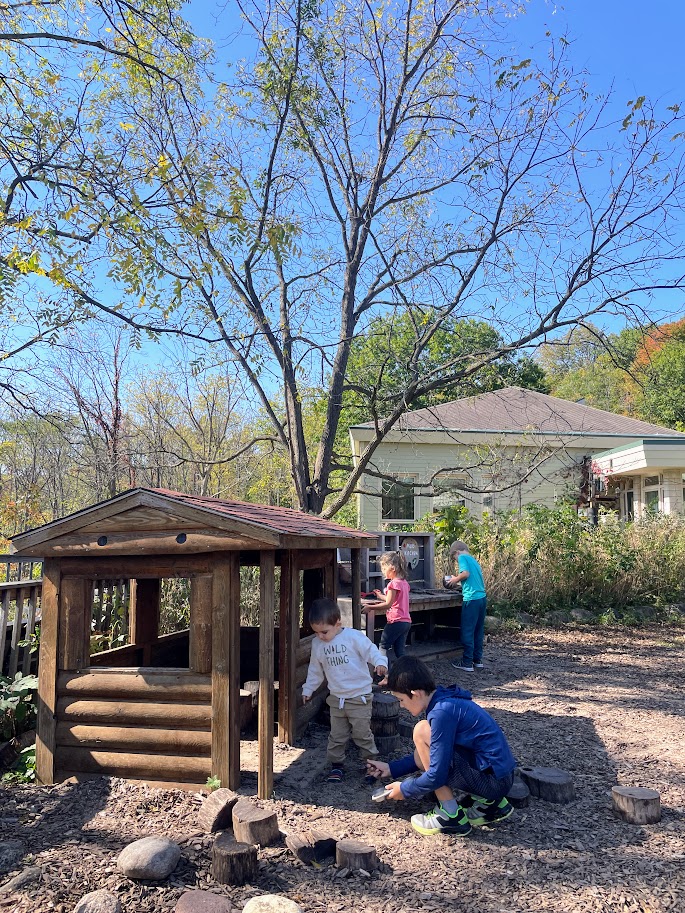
26	877
492	624
11	852
556	618
643	612
98	902
153	858
203	902
271	903
524	618
583	616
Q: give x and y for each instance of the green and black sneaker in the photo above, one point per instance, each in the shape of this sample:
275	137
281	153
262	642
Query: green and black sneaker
483	812
438	821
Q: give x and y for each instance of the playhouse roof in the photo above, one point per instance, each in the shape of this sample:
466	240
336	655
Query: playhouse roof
156	521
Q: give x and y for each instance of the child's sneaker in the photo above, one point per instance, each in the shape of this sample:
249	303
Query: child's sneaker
438	821
335	775
484	812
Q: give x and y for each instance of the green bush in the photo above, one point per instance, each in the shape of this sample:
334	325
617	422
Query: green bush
17	707
545	559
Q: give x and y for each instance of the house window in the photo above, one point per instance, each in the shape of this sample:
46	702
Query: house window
398	500
448	491
653	498
627	498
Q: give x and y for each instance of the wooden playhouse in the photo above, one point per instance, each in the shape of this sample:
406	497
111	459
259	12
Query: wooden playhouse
166	707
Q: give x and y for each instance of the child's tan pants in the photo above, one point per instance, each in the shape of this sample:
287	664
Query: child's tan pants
353	719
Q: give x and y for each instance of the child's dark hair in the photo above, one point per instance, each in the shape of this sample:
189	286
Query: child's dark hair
324	611
409	674
396	561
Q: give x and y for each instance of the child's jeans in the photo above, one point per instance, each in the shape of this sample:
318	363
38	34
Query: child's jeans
395	635
472	628
353	719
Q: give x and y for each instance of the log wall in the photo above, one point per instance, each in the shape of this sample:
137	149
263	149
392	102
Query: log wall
148	724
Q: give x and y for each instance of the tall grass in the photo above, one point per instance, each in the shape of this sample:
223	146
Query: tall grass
550	559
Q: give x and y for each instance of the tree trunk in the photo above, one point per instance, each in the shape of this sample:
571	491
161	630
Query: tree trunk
636	804
233	862
352	854
255	825
548	783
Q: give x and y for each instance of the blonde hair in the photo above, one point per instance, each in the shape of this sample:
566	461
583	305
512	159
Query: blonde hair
396	561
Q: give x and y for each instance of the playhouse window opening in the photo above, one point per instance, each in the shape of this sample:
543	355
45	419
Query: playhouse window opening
174	605
110	607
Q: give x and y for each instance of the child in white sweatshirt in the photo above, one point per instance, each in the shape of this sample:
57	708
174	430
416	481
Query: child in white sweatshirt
342	657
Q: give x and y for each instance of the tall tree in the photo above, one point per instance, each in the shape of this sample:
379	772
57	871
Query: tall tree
368	159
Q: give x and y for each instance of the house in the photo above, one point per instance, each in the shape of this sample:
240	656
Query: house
513	447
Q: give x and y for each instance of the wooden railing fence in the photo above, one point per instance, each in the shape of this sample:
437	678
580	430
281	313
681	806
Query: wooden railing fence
20	588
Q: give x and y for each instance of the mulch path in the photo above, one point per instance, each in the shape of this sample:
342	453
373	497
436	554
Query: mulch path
605	704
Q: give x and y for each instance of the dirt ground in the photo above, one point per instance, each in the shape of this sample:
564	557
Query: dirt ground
606	705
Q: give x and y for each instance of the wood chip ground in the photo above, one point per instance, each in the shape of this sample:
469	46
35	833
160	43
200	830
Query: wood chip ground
606	705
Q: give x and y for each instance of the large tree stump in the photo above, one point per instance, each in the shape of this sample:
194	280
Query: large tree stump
386	743
233	862
255	825
216	812
518	794
351	854
548	783
311	846
636	804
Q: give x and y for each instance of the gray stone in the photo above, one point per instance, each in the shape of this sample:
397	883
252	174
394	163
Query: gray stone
203	902
98	902
26	877
271	903
524	618
492	624
11	852
583	616
643	612
556	618
152	858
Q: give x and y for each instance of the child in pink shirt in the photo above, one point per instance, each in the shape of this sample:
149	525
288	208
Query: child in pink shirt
395	601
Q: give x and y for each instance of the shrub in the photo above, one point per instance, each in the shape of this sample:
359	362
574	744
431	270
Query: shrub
17	707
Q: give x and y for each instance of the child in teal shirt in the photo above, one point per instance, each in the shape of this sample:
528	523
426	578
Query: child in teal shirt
473	609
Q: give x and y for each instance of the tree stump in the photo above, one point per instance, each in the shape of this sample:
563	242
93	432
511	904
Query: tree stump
386	743
255	825
233	862
636	804
311	846
216	812
351	854
548	783
519	794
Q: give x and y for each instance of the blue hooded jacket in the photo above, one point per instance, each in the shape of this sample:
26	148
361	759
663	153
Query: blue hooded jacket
456	720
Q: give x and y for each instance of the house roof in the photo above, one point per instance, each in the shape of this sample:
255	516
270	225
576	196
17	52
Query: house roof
149	519
516	410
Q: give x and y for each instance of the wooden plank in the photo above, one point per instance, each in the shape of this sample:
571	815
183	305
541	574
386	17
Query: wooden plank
47	673
135	738
226	671
143	623
355	555
127	764
141	683
317	541
312	588
147	543
309	559
201	623
330	578
265	727
74	623
30	625
16	633
135	713
289	636
4	615
97	566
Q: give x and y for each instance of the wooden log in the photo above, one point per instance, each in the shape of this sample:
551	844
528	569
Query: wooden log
255	825
386	743
384	727
289	636
518	794
134	738
135	713
130	764
233	862
201	623
385	706
265	686
351	854
636	804
47	674
141	683
548	783
226	671
216	812
311	846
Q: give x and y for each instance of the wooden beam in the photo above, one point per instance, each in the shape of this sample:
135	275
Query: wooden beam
75	608
141	683
289	636
226	671
356	588
47	674
155	542
201	623
143	619
312	588
100	567
267	583
330	579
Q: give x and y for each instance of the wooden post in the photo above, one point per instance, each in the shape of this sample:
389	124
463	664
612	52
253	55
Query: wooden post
289	638
16	633
74	623
47	673
312	588
265	730
356	589
143	623
330	577
201	624
30	625
226	670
